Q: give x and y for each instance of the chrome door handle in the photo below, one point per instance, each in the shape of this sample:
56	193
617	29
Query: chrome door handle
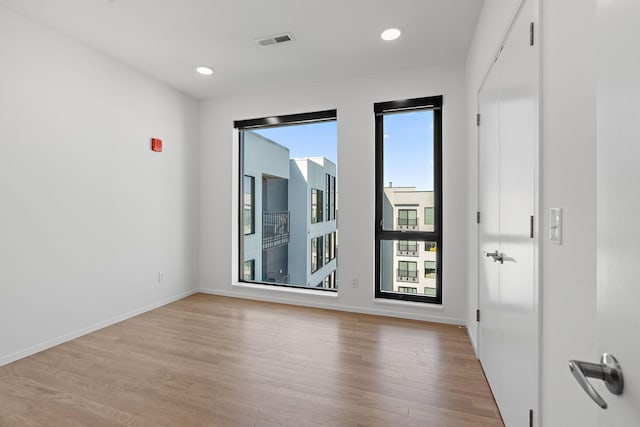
608	370
497	256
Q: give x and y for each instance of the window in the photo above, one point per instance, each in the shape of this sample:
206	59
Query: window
331	197
248	200
407	270
316	254
408	187
316	205
249	272
407	217
330	247
407	246
328	191
330	280
428	217
430	269
430	246
283	165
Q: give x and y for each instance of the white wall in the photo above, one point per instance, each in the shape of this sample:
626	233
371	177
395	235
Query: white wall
89	215
567	160
354	99
568	182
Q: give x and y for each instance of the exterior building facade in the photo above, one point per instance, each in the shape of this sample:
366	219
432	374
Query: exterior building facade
409	266
289	216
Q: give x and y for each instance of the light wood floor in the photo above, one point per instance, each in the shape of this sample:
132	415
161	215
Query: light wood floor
215	361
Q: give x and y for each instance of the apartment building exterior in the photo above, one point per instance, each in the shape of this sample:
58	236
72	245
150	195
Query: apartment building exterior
289	216
412	268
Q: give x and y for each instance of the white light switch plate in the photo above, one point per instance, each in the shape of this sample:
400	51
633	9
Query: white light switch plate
555	225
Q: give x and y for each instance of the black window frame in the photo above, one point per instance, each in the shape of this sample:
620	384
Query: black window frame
433	103
262	123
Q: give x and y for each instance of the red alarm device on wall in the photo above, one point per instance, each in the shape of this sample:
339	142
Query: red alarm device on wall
156	145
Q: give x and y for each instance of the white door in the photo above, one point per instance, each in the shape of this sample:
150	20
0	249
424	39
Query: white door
618	200
508	302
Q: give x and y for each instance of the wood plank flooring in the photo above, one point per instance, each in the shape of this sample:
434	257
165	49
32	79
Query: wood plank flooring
215	361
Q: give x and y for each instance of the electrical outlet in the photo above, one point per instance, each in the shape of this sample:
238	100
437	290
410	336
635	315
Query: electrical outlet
355	282
161	277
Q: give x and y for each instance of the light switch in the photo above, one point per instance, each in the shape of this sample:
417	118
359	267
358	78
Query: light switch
555	225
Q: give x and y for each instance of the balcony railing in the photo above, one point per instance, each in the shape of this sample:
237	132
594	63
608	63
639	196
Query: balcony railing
275	277
275	229
407	276
407	250
407	224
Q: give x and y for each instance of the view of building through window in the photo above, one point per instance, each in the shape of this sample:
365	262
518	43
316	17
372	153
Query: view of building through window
407	234
289	205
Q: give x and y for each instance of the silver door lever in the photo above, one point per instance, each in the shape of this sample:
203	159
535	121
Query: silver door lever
496	256
608	370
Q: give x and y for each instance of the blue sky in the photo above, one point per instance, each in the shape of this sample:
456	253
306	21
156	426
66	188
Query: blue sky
310	140
408	150
408	146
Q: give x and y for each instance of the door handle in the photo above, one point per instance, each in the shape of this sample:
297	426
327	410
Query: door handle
608	370
497	256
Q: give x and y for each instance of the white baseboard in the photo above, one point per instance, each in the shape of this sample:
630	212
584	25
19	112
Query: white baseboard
338	307
4	360
474	344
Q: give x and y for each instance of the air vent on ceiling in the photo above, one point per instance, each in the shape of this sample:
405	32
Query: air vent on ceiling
277	39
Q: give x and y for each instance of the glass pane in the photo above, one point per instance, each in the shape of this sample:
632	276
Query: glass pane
287	171
247	203
428	219
399	268
408	171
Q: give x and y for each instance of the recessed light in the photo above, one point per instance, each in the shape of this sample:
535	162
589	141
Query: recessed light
390	34
205	71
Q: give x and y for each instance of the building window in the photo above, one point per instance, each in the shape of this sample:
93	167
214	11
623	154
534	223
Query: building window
407	217
284	161
408	187
428	217
407	248
330	186
248	203
330	280
430	269
407	270
328	191
316	253
329	247
249	268
316	205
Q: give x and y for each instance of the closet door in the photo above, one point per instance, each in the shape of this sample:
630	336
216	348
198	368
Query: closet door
508	291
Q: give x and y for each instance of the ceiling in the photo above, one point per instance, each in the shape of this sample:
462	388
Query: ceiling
167	39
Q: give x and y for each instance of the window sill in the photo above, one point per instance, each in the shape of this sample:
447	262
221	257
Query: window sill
298	291
427	305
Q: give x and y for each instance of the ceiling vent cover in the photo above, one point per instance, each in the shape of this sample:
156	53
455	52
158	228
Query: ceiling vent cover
277	39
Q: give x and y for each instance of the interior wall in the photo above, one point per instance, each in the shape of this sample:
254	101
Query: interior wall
89	214
568	279
353	99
